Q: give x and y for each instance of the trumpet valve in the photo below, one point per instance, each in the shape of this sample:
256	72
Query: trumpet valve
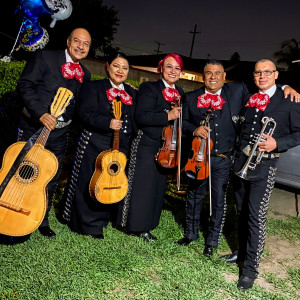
252	166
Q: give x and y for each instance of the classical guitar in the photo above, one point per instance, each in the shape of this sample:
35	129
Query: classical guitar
23	201
109	183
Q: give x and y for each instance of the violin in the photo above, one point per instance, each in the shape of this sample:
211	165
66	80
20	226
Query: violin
197	166
167	155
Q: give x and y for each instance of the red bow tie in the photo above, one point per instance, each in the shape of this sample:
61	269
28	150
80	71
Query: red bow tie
259	101
214	101
71	70
170	93
114	92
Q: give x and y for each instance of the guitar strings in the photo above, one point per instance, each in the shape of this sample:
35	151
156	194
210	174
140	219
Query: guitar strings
16	189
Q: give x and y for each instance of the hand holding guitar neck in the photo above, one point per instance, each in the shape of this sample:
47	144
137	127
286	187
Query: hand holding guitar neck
24	176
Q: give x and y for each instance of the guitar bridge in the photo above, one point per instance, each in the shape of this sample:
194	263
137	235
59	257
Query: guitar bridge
14	208
112	188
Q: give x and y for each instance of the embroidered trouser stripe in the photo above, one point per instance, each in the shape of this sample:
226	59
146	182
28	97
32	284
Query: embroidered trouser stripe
131	169
70	189
253	198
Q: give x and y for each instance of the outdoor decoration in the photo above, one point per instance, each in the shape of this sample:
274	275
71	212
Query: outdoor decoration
31	35
61	9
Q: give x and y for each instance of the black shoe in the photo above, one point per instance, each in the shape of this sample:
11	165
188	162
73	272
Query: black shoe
148	237
47	232
184	241
208	251
230	258
13	240
99	236
245	283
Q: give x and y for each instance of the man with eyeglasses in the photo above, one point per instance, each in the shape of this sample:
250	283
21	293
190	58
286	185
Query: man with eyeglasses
275	120
225	100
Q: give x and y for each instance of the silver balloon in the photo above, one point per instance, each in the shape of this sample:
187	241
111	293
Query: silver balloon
61	9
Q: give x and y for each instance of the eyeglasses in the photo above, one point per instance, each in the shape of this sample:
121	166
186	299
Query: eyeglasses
265	72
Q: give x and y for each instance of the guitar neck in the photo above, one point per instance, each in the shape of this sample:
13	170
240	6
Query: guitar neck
43	137
116	140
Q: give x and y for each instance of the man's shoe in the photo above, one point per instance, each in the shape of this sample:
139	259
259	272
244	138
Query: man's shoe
47	232
230	258
99	236
245	283
148	237
208	251
184	241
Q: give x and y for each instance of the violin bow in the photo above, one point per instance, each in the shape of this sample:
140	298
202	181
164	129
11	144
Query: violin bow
209	170
179	148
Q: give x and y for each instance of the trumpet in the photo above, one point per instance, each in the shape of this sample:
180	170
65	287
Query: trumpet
258	139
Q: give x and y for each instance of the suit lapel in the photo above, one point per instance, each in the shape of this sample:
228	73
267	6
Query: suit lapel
160	87
226	95
61	59
274	103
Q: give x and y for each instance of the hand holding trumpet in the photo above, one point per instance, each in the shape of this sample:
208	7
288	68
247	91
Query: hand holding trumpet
268	144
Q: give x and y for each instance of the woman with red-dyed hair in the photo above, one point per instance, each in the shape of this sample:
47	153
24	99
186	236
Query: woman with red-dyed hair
147	179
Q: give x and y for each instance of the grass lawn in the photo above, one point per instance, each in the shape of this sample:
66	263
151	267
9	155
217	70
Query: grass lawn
121	266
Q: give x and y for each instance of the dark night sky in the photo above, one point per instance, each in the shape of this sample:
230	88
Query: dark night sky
253	28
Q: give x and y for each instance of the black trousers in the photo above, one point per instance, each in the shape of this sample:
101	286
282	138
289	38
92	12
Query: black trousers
252	198
57	144
220	171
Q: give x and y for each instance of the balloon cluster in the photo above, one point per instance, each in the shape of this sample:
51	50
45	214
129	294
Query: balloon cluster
31	35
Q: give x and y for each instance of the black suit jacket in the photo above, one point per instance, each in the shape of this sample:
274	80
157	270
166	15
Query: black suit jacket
40	80
151	109
96	111
286	115
235	95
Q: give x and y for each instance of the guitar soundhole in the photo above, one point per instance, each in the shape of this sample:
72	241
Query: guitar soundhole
113	168
27	172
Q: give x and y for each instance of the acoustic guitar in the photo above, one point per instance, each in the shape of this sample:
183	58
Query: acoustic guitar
23	202
109	183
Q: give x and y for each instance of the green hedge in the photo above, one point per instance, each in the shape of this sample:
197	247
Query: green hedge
9	75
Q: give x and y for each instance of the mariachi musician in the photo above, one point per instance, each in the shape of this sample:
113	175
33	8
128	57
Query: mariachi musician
38	85
225	100
85	214
147	179
276	122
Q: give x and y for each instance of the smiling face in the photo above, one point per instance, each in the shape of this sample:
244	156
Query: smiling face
78	45
118	70
262	81
171	71
214	78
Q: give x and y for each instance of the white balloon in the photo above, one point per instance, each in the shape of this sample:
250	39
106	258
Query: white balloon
61	9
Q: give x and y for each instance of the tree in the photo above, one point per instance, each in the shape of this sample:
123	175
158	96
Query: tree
290	50
235	58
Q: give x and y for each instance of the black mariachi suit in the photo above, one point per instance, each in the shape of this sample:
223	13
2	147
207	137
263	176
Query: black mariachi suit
147	179
37	86
224	125
87	215
253	195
